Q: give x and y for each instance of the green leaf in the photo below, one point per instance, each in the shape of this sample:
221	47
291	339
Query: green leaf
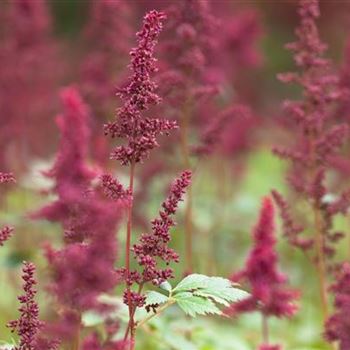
193	281
153	297
166	286
213	290
194	305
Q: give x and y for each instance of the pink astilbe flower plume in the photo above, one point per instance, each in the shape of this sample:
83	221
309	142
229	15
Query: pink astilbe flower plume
269	292
73	151
337	327
153	247
28	325
140	133
84	267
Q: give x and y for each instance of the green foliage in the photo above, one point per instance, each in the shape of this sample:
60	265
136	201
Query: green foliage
198	294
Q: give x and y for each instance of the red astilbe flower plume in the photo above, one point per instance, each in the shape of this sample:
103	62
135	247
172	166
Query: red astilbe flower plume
73	151
28	325
153	246
140	133
337	327
269	293
84	267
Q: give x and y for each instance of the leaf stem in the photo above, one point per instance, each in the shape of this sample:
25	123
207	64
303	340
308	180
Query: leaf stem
170	302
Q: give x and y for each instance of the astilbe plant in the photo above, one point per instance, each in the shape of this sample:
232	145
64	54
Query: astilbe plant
270	294
152	248
84	267
318	139
139	131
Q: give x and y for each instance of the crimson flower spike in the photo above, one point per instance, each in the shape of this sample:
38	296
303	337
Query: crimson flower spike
269	293
140	93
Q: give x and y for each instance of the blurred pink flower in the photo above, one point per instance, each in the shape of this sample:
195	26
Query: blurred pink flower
270	294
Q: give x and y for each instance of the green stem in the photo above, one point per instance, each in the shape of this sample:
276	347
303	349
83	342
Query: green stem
158	312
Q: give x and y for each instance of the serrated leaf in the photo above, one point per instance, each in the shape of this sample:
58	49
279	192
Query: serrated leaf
166	286
213	289
194	305
154	297
190	282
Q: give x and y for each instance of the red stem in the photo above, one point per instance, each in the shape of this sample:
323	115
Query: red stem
131	325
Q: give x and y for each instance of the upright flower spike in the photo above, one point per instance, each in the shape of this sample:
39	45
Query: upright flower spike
28	324
140	132
73	151
269	293
84	267
154	244
337	327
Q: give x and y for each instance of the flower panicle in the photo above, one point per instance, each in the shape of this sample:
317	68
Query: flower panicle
28	324
153	246
269	293
140	93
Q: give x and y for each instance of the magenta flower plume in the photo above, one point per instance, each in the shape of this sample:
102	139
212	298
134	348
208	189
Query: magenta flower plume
269	293
28	324
153	246
337	327
73	148
73	151
139	94
84	267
